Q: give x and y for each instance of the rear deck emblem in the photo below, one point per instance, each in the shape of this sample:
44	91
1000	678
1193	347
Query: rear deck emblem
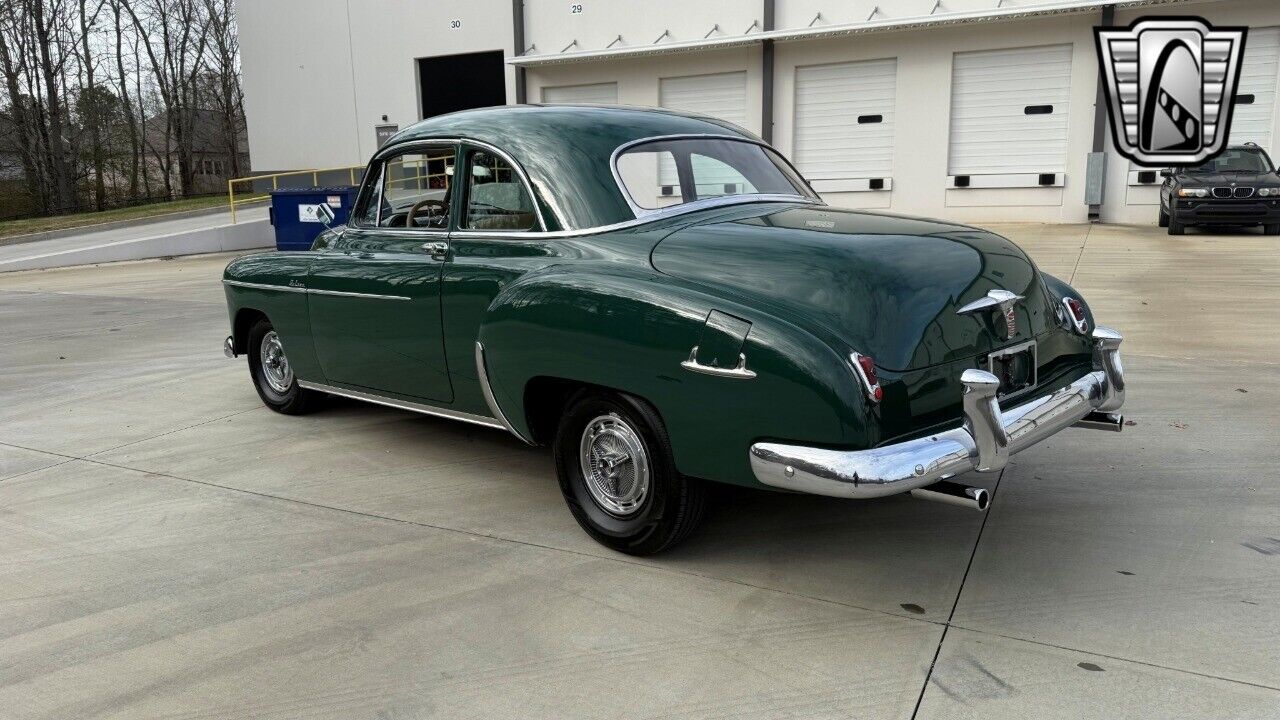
1171	86
1002	300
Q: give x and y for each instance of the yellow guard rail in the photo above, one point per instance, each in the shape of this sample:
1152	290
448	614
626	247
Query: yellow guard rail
233	201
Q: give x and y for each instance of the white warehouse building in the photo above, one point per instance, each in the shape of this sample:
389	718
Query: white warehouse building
972	110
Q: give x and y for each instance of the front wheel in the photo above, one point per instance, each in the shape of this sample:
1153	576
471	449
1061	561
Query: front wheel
1163	221
1175	227
1272	229
272	375
618	475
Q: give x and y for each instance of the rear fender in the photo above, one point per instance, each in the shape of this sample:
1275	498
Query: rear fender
629	330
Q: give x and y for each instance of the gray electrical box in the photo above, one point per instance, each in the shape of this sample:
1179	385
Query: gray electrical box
1095	172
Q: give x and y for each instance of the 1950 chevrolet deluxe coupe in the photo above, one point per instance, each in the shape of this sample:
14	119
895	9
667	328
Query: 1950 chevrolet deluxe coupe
664	300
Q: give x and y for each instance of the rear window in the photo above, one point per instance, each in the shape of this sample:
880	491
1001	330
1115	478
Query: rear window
663	173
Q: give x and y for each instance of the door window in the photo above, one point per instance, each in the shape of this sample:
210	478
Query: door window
412	190
496	196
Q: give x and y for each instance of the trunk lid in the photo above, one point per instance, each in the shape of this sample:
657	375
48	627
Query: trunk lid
888	286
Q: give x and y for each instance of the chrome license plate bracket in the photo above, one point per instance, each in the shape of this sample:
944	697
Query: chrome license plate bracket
1016	366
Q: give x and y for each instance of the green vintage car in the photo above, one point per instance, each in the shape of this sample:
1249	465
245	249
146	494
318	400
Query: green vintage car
664	300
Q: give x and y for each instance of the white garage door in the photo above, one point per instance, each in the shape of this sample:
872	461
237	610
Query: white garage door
1009	113
1256	96
722	96
844	121
599	94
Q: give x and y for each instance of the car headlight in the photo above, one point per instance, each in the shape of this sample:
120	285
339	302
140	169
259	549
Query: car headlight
1193	192
1268	192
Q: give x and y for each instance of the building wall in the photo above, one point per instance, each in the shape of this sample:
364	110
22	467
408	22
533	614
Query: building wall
1134	204
320	75
923	110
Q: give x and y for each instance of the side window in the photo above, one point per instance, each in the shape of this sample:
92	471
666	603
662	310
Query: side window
365	213
496	198
408	190
415	189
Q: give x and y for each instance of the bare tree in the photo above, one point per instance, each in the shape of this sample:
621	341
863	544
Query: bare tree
108	99
175	36
224	71
131	121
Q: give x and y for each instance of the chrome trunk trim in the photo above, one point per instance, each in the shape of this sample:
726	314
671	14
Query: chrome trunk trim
984	442
482	372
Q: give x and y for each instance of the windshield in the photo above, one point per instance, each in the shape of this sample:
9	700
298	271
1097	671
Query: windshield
662	173
1235	160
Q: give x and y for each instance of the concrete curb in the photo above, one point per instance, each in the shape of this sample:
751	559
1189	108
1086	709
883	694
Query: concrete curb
114	224
249	235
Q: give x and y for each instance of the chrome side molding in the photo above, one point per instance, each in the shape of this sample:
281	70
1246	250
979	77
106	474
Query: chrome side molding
482	372
399	404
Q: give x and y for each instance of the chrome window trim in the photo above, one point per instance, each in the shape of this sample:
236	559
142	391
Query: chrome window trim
524	177
641	215
642	212
423	408
312	291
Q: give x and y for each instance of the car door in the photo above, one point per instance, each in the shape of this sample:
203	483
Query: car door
496	239
374	294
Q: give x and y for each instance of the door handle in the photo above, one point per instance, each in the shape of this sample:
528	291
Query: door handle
436	248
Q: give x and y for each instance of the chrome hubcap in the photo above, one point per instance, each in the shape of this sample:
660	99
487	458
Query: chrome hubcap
615	465
275	366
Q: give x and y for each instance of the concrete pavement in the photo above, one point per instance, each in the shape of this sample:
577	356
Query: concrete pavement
169	548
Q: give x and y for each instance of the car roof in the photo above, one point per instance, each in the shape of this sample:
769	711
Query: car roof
566	150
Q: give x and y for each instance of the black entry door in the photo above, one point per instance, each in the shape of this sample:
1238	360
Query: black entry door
449	83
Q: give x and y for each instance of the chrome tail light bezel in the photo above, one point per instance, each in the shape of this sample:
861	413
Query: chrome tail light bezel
870	383
1081	323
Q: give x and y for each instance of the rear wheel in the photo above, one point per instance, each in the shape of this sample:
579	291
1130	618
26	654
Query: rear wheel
1272	229
1164	218
272	375
1175	227
618	476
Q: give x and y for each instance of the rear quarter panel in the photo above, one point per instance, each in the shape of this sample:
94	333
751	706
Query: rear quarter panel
628	328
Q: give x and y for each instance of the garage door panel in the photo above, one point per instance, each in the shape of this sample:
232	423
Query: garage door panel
991	133
1258	70
596	94
830	143
722	96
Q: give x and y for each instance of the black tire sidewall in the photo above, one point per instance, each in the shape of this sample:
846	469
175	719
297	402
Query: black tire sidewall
650	528
281	402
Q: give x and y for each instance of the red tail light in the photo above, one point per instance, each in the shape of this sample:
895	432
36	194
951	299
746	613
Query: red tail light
866	369
1075	312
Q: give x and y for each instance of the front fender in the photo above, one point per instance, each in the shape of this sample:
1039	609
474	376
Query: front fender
628	329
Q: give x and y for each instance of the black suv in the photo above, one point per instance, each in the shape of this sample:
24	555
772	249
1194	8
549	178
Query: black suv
1239	187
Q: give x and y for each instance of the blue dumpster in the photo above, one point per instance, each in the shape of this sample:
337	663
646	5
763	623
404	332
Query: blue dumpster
293	213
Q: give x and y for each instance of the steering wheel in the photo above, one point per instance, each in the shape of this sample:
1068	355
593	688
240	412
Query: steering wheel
430	204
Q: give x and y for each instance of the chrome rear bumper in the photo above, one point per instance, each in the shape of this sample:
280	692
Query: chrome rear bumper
984	443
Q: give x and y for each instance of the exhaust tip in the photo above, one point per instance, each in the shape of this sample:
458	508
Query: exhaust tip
974	498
